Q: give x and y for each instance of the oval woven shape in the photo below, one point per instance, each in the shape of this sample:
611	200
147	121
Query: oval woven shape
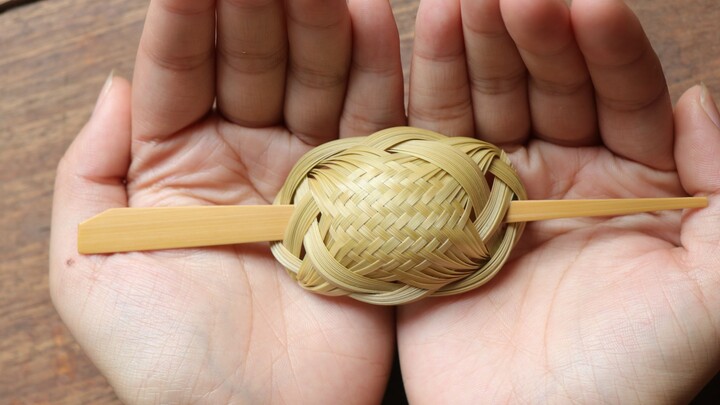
399	215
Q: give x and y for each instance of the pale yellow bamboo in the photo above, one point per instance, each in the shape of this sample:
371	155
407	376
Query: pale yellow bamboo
137	229
540	210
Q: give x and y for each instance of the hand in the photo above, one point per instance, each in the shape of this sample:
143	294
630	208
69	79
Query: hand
221	324
591	310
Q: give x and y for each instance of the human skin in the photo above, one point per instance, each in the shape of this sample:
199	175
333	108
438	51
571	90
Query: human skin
225	324
586	311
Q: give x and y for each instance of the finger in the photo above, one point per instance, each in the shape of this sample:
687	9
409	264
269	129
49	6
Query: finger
251	60
174	77
497	75
320	39
375	89
90	179
562	104
697	146
633	104
439	97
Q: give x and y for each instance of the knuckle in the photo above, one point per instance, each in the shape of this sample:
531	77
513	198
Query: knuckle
499	83
559	88
178	61
253	61
317	78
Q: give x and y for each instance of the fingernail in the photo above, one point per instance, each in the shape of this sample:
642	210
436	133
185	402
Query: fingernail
708	104
105	90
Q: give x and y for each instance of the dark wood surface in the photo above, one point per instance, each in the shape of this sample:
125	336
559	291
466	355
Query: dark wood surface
54	57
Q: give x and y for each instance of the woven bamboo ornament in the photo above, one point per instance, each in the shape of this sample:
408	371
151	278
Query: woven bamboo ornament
399	215
386	219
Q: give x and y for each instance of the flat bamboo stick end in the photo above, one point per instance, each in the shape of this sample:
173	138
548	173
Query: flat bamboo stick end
139	229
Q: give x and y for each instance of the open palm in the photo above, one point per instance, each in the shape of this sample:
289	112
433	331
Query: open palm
592	310
225	323
228	94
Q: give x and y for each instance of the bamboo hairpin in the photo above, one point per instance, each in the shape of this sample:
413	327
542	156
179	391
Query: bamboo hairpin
386	219
139	229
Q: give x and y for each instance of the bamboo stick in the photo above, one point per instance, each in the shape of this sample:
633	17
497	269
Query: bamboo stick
540	210
137	229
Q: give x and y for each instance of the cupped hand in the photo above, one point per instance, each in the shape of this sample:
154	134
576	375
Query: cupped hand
590	310
226	96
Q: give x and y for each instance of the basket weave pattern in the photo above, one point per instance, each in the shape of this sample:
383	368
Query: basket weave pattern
399	215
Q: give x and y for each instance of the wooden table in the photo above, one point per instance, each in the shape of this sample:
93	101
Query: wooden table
54	57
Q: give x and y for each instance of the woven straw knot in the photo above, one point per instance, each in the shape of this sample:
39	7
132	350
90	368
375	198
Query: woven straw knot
399	215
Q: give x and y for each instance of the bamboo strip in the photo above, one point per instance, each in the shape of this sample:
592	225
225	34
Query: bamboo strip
138	229
540	210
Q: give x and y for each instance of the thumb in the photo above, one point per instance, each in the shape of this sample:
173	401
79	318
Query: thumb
90	179
697	154
697	144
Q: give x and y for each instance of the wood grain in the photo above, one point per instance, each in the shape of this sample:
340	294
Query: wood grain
54	57
6	5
